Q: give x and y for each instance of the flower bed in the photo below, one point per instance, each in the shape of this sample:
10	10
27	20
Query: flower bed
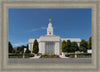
49	56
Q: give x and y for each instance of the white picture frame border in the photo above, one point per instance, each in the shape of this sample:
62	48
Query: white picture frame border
6	4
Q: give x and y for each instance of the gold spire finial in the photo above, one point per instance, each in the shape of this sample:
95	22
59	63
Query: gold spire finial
50	20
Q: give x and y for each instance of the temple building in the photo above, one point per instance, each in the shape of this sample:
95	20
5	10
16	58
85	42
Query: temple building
50	43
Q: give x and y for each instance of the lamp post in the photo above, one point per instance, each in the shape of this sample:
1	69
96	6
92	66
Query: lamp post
24	53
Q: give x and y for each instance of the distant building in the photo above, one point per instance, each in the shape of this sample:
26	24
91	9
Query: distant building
50	43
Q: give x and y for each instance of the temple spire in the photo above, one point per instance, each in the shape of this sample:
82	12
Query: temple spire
50	28
49	20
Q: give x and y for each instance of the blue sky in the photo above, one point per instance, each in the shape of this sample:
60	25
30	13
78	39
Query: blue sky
25	24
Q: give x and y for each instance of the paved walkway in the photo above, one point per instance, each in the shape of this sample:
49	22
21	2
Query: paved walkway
51	60
63	56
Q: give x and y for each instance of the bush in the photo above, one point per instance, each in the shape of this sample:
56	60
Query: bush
29	55
39	54
67	55
45	54
84	55
80	55
49	56
53	54
14	55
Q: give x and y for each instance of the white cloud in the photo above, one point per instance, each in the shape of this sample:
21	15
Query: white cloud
43	28
36	29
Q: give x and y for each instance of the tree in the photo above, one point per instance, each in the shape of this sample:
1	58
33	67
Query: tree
13	51
68	46
10	47
83	45
35	46
74	47
27	50
90	43
64	46
21	49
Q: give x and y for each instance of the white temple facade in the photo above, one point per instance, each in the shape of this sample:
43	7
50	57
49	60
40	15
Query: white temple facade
50	43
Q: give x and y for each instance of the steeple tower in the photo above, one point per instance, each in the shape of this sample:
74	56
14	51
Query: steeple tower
50	28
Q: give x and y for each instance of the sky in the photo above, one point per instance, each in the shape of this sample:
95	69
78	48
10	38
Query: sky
30	23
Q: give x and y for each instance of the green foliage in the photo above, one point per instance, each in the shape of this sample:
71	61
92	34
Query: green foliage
85	54
35	47
46	54
90	43
83	45
29	55
67	55
18	55
80	55
13	51
27	50
17	51
21	49
74	47
70	55
15	54
10	47
49	56
64	46
68	46
54	54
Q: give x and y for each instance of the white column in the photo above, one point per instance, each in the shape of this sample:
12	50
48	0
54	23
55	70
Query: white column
31	47
78	43
57	48
42	47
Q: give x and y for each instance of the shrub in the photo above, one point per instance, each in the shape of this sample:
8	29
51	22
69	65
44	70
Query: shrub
79	55
84	55
15	55
53	54
70	55
20	55
29	55
49	56
45	54
67	55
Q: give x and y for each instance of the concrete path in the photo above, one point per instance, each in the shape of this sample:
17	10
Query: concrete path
51	60
63	56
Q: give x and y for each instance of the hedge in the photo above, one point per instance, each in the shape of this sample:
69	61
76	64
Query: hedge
29	55
79	55
49	56
17	55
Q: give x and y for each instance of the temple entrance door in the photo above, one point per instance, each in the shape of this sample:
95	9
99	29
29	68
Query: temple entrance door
49	49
